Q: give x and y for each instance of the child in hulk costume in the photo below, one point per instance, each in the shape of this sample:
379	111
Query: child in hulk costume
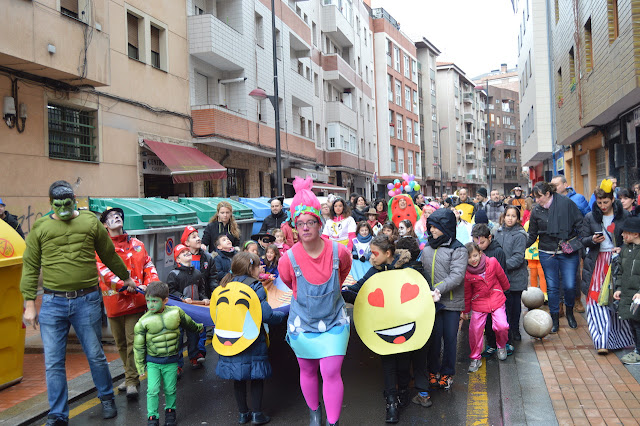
156	346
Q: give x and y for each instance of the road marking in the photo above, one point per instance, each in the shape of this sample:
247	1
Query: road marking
477	398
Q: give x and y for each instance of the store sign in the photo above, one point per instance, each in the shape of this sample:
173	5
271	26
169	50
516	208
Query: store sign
150	164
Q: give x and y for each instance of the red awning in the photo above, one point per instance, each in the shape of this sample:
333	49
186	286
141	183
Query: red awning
329	187
187	164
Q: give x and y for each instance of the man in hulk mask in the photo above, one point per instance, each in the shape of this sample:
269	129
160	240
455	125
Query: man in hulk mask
64	245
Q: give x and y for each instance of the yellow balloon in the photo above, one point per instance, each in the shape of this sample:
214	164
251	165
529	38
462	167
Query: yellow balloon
237	315
394	312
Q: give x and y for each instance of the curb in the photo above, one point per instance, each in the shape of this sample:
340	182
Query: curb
36	408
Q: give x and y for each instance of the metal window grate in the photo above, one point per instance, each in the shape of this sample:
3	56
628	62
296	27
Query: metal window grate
71	134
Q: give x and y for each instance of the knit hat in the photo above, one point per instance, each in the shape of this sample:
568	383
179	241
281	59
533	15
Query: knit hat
483	192
481	217
185	234
631	224
179	249
305	201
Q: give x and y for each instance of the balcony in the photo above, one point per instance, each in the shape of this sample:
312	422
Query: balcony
339	112
338	71
336	22
481	124
470	158
482	106
468	118
27	28
467	97
215	42
469	138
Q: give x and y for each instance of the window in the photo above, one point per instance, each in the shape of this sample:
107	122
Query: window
400	160
132	36
392	129
71	133
559	85
406	66
392	157
314	33
236	179
316	84
410	162
399	125
398	93
557	9
588	46
155	47
197	10
416	135
612	15
414	70
389	48
409	130
396	52
69	8
366	74
572	67
390	85
415	102
433	113
418	165
279	44
202	89
407	98
259	30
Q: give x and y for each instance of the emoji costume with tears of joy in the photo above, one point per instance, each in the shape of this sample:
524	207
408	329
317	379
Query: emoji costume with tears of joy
238	310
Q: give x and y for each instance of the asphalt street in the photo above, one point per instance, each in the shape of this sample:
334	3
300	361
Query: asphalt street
203	398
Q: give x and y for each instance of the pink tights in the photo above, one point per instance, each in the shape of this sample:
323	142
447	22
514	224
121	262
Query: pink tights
332	386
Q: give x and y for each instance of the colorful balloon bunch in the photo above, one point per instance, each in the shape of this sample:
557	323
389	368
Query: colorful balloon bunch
408	184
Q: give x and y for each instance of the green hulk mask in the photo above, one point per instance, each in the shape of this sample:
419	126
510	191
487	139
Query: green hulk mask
64	208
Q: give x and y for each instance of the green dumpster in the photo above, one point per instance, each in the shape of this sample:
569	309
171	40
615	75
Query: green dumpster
207	207
157	222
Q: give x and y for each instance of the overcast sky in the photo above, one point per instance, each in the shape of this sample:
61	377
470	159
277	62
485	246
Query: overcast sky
478	35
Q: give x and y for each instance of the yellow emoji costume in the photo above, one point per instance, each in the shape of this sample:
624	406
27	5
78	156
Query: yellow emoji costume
394	312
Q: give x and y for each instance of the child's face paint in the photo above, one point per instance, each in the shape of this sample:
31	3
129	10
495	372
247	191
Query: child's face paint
155	304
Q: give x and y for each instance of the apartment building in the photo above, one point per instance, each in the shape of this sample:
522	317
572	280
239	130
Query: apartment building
427	54
324	51
503	77
94	83
537	106
461	118
597	92
396	84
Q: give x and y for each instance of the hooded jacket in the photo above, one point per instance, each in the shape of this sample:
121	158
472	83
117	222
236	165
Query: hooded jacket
141	269
581	202
445	266
513	241
211	232
563	217
401	260
186	282
12	221
222	263
494	209
495	250
591	224
485	292
273	221
627	280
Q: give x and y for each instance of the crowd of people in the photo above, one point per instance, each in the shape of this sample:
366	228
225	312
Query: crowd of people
477	256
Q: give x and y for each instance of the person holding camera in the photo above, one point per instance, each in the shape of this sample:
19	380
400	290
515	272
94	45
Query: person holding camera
601	233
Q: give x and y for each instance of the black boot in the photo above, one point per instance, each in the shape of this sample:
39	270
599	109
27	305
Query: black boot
259	418
555	319
570	318
109	409
315	417
393	415
153	421
403	398
170	417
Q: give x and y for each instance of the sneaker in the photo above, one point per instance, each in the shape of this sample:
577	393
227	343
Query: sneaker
602	351
153	421
445	382
488	352
170	417
56	421
424	400
132	392
477	363
510	349
433	381
109	409
195	364
179	372
632	358
502	354
122	387
200	358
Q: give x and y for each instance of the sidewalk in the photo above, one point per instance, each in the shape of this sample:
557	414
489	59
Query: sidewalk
586	388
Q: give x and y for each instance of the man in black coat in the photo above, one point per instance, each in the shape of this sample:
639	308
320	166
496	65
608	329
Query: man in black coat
277	217
11	219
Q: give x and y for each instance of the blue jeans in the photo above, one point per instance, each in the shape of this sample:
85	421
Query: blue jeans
445	330
553	266
195	344
85	314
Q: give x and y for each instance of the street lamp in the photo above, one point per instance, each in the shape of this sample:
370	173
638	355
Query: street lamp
440	154
261	95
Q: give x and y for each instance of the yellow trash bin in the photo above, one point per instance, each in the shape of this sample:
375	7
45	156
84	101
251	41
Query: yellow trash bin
12	330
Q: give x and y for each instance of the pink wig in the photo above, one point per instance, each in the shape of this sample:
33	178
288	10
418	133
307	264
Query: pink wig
305	201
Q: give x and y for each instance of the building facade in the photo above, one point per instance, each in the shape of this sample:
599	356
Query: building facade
461	115
396	87
86	98
324	53
597	89
427	55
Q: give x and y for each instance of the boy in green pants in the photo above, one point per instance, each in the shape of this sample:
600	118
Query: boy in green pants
156	347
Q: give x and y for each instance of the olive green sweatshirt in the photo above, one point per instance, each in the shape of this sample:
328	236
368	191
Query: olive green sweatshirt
66	252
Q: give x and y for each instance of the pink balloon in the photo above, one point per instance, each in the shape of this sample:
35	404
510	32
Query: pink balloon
391	193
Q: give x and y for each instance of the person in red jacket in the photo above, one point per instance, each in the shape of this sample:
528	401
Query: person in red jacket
484	285
125	308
